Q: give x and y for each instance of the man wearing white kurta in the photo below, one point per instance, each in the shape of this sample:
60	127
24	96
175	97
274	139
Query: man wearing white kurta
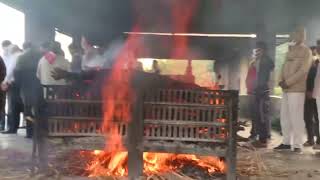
293	82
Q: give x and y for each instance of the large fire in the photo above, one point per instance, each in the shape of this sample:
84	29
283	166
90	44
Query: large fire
115	163
118	98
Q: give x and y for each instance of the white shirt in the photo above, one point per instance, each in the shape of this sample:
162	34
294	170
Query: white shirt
6	55
45	69
11	63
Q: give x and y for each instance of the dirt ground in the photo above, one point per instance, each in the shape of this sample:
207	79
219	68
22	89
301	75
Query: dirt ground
15	155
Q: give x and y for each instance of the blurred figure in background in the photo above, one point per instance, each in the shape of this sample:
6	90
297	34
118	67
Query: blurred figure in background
155	67
96	57
250	83
25	78
14	53
316	95
139	66
44	48
2	96
310	106
15	106
51	60
6	45
92	58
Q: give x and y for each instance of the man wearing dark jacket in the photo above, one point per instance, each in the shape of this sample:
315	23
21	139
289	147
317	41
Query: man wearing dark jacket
263	66
25	77
2	95
310	105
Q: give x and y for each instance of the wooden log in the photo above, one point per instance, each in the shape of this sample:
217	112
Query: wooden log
232	147
135	139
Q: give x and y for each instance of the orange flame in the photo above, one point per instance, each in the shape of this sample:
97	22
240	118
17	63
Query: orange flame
118	97
115	163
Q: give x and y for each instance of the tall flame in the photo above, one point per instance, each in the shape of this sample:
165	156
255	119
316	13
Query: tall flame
118	94
118	97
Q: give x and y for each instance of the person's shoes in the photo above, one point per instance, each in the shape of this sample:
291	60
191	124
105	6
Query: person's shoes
316	147
259	144
308	144
297	150
282	147
9	132
252	138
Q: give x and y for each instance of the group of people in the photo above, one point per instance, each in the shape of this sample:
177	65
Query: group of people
24	72
300	82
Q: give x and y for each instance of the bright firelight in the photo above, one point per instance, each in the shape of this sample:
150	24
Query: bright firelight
115	163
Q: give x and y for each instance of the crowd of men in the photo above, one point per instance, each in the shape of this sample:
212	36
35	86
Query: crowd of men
300	83
24	72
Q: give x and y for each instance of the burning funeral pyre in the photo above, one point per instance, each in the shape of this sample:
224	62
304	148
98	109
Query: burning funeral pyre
194	121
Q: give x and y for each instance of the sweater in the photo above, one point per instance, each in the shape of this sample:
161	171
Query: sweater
295	68
45	69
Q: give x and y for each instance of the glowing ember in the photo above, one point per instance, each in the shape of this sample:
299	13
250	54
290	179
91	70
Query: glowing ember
115	164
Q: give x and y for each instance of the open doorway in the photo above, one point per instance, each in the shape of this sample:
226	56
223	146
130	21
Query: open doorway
65	41
12	25
12	29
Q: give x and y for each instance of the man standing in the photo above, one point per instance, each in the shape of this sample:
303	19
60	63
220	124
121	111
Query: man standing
5	60
6	45
29	85
258	82
15	106
155	67
293	82
2	95
316	95
310	106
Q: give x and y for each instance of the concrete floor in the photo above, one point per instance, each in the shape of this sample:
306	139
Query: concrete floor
15	154
304	166
16	142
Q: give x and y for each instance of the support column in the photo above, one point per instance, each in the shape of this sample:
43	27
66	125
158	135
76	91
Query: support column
268	36
266	32
135	137
264	27
38	27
